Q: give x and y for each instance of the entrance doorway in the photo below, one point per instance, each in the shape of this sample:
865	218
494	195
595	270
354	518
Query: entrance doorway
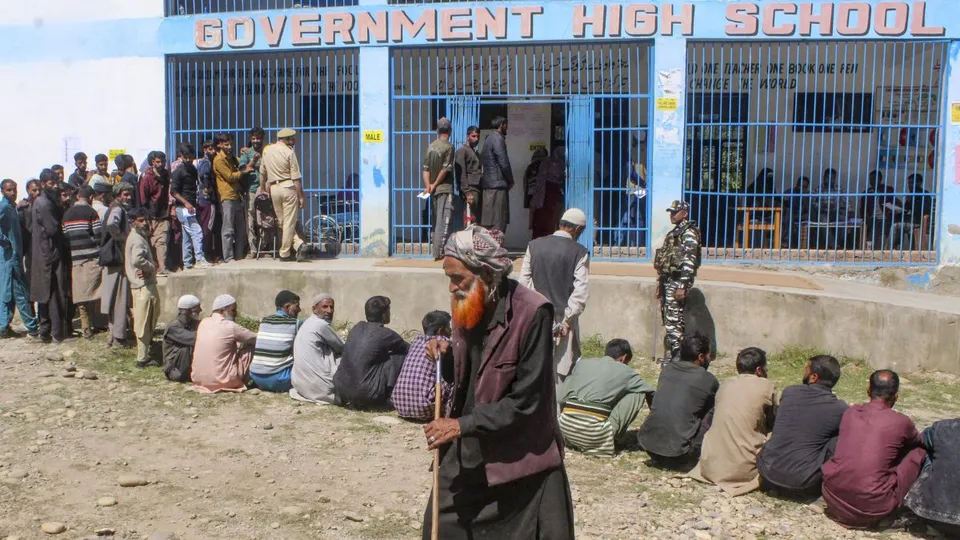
592	100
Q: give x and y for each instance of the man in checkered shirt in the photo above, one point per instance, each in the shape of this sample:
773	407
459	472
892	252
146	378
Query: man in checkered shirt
415	392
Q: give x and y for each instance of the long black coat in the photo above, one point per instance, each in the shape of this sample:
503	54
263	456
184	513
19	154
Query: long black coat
49	258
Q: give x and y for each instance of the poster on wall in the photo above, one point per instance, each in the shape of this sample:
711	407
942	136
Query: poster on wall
912	150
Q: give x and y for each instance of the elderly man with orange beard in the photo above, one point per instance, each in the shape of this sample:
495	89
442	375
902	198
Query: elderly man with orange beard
501	472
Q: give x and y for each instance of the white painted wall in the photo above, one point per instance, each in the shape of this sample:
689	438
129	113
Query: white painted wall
52	110
41	12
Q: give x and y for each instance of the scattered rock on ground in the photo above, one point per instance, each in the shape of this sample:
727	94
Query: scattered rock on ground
106	501
105	531
268	426
17	474
132	480
291	511
388	420
162	535
350	516
53	527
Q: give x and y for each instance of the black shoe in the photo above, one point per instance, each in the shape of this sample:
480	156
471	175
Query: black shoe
45	338
142	365
287	259
302	253
88	333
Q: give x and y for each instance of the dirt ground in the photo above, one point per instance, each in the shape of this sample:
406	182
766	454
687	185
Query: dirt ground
261	466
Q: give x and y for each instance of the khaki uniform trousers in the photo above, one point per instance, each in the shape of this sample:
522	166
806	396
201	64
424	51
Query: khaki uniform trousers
146	311
287	206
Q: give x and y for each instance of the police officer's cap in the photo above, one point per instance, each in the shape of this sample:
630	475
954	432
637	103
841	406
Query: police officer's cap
677	206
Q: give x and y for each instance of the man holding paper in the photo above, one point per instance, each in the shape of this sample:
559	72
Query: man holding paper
438	184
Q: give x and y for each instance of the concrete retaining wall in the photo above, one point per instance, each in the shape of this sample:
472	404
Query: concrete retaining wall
906	338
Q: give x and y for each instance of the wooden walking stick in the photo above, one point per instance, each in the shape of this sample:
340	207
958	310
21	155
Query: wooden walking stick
435	520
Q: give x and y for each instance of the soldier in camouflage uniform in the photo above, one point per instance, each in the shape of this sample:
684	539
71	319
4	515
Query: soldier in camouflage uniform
676	264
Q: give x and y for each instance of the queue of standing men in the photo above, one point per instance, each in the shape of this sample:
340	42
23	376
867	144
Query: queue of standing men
93	245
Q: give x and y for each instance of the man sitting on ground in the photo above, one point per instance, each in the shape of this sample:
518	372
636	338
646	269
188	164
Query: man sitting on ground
934	495
879	455
224	350
179	339
372	358
805	432
742	419
600	399
316	354
416	390
680	413
273	356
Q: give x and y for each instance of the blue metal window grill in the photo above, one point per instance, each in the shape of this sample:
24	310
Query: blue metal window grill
195	7
815	152
315	93
593	100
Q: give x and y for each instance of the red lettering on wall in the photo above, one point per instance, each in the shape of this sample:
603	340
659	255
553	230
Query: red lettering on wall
338	24
743	19
208	34
375	24
918	26
400	24
302	33
491	22
451	23
671	18
640	20
891	18
273	29
526	19
240	33
853	19
823	20
596	19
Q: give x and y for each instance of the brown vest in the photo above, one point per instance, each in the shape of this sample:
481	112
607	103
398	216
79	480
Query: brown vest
533	444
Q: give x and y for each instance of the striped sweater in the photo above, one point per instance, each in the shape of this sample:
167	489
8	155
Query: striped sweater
274	349
81	226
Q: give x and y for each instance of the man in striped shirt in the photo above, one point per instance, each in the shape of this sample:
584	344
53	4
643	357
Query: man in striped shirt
273	356
81	226
600	399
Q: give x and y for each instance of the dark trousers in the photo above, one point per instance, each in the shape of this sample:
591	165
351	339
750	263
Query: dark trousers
52	316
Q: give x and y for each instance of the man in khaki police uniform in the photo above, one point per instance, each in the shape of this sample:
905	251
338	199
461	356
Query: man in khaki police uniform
280	177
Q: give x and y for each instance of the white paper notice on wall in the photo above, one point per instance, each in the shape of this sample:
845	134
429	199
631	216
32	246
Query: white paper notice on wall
71	145
529	121
669	81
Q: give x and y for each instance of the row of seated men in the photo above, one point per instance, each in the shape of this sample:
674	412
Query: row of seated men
865	459
375	368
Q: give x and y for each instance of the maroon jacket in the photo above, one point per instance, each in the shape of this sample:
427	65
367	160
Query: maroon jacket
860	482
533	444
155	194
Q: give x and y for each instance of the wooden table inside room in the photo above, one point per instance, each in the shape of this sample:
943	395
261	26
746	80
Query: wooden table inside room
746	227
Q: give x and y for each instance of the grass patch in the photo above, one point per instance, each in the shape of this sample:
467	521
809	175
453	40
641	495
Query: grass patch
250	323
672	499
388	527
